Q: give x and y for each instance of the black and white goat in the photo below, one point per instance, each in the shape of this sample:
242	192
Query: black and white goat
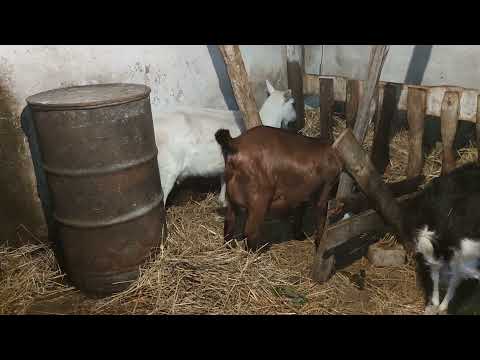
444	221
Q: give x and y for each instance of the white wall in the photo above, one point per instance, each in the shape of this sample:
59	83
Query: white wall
430	65
188	75
179	75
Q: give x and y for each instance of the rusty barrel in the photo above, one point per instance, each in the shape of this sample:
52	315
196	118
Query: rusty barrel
98	151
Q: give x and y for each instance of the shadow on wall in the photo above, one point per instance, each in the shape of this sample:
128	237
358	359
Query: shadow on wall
416	70
418	64
222	76
17	205
28	128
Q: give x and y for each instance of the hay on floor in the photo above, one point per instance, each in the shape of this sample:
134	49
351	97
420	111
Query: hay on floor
197	274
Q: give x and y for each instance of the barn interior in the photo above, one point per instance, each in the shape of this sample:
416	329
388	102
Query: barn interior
195	273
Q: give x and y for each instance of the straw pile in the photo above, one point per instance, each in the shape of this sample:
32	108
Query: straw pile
196	274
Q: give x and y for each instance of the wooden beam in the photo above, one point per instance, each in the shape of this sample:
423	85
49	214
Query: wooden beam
241	87
368	221
295	72
327	103
383	120
357	163
449	121
416	108
345	231
365	108
353	93
323	267
359	202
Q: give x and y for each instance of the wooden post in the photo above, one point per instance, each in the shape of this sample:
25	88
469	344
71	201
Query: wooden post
416	108
383	118
449	120
323	267
327	103
358	164
365	113
478	128
351	103
295	71
241	87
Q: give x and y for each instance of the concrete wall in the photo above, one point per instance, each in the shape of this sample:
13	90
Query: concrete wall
186	75
429	65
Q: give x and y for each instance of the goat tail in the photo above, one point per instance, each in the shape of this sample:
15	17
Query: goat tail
224	138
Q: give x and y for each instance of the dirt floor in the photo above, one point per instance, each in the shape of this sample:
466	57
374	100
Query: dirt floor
196	274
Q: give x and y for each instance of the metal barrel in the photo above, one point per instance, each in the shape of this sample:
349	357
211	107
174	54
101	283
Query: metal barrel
98	151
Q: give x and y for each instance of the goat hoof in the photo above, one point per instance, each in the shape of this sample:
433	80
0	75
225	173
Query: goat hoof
431	310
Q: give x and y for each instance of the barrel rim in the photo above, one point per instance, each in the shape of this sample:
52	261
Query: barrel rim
35	100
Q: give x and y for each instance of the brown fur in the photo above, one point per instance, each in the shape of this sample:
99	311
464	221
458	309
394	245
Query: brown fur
269	169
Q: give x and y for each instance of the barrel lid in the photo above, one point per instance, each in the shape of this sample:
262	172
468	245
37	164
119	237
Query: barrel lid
88	96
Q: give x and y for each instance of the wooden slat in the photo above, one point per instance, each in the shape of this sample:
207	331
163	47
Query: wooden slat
327	103
449	122
417	103
241	87
383	120
468	107
352	99
295	72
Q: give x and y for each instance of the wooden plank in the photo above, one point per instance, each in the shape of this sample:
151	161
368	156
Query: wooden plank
327	103
345	231
417	104
468	101
241	87
368	221
383	120
323	267
365	109
358	202
449	122
358	165
352	99
295	71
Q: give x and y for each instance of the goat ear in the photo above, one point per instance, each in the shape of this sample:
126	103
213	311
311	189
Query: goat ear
270	88
287	94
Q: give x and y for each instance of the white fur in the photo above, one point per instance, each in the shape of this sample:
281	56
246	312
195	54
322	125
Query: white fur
347	216
186	138
425	244
463	265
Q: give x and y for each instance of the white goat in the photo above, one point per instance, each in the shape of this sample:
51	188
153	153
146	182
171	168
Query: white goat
186	138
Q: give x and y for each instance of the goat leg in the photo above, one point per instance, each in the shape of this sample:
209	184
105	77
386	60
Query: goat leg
222	200
298	215
452	286
229	224
255	217
432	307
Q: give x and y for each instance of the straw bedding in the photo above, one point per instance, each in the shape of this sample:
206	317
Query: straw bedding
196	274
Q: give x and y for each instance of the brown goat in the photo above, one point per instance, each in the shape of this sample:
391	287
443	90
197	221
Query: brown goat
270	169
